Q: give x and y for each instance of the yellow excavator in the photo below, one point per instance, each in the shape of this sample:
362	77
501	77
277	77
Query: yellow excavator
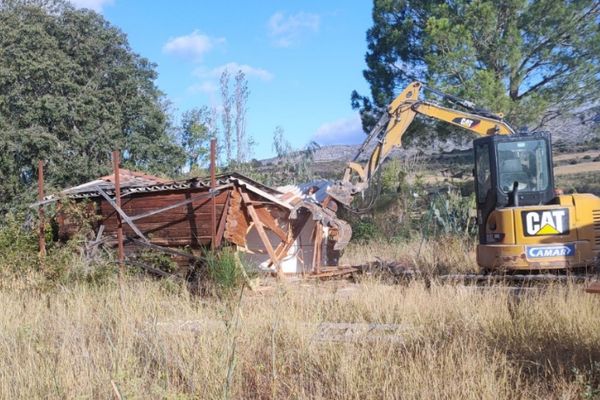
523	223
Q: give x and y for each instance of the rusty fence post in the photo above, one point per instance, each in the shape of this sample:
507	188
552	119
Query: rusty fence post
41	216
121	251
213	185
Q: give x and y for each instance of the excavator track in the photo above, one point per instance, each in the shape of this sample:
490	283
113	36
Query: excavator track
396	273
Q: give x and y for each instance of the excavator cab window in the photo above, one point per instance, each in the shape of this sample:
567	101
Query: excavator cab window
483	171
524	162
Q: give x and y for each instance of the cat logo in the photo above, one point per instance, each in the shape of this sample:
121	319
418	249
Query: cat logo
466	122
546	222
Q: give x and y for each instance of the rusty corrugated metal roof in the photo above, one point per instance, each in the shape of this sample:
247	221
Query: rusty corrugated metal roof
138	182
133	178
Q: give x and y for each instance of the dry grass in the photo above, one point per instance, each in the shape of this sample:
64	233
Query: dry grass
585	167
459	343
449	254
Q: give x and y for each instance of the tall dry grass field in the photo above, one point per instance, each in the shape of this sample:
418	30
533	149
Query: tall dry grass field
446	254
146	339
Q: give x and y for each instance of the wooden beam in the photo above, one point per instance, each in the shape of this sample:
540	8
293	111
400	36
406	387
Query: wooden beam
125	217
271	223
261	230
213	184
93	246
164	249
42	222
317	250
294	231
223	222
117	205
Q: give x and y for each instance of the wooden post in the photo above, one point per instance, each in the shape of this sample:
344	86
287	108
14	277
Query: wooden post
213	185
318	240
42	222
115	159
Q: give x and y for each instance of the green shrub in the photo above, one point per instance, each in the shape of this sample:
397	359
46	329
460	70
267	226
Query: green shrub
18	245
223	272
450	213
65	263
70	264
364	230
156	259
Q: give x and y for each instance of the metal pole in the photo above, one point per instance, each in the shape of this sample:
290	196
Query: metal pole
42	230
213	185
115	159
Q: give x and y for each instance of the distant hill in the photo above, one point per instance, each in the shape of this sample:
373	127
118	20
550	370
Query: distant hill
582	126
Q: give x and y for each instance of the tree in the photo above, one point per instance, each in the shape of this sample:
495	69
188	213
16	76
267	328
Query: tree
241	107
281	145
72	90
531	60
226	116
294	166
233	118
195	136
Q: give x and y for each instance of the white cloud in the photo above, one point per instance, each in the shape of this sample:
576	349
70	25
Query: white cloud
208	87
95	5
192	46
341	131
233	68
287	29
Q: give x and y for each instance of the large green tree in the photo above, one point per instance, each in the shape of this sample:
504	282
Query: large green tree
72	90
532	60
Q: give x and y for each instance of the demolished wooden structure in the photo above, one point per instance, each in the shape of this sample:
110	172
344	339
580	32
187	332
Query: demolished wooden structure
282	232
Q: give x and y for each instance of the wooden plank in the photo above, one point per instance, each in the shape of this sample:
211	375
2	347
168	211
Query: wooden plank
262	193
267	219
122	214
261	231
238	221
164	249
158	199
168	217
178	231
334	272
172	206
140	206
594	288
294	231
152	270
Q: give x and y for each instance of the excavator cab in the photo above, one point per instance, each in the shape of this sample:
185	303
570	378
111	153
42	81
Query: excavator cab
512	171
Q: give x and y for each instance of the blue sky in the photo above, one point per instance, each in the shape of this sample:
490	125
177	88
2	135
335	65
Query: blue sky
302	59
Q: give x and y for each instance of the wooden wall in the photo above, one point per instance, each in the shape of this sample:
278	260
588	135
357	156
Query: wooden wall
187	225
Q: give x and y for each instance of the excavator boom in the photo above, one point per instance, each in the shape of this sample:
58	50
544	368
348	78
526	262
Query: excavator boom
400	115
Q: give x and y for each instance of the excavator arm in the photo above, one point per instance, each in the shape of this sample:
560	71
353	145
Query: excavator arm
391	127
